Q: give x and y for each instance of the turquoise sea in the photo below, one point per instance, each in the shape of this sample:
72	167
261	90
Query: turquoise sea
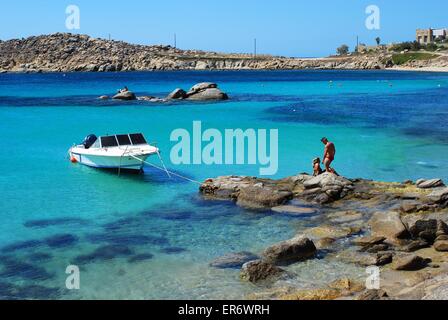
149	237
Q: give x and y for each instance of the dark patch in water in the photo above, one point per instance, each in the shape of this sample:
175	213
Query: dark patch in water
125	223
10	291
22	245
44	223
15	268
173	250
39	257
61	241
127	239
141	257
105	253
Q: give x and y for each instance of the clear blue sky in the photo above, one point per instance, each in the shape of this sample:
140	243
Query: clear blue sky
282	27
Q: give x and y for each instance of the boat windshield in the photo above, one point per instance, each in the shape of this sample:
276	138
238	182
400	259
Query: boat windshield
123	140
109	141
137	138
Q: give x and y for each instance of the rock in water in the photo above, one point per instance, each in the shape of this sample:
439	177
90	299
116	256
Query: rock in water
233	260
202	86
389	225
209	94
177	94
257	270
290	251
409	263
125	96
206	91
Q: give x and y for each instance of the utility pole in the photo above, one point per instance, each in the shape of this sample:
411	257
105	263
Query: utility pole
357	44
175	41
255	48
109	37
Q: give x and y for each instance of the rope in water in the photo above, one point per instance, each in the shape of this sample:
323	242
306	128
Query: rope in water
166	170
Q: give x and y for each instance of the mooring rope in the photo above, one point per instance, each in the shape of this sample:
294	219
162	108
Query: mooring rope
169	173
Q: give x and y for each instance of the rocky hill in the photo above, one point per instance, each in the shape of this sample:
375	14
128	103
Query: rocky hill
63	52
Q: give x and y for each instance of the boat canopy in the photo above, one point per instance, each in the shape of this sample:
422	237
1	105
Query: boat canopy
123	140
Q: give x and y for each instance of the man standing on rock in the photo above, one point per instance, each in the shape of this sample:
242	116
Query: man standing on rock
329	154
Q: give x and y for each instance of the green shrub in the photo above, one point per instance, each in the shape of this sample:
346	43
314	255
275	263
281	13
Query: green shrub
399	59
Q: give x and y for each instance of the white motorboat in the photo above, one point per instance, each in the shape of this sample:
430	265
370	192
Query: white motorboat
122	152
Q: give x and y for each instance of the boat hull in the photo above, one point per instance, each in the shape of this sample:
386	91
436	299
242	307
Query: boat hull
125	163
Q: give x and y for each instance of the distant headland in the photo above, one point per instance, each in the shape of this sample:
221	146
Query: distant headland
65	52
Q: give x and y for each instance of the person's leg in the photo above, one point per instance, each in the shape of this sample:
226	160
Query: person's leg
327	163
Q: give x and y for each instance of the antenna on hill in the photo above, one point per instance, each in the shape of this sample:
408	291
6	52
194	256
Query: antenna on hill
175	41
109	37
357	43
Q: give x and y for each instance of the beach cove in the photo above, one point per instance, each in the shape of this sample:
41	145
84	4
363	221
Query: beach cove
143	237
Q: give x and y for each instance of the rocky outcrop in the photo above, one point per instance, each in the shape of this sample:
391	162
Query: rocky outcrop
362	223
127	96
290	251
64	52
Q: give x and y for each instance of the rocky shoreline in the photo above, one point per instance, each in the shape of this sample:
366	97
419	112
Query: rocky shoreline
399	227
64	52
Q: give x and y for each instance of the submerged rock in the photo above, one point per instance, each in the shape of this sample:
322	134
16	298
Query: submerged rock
258	270
233	260
290	251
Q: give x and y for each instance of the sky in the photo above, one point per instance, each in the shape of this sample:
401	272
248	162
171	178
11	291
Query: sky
296	28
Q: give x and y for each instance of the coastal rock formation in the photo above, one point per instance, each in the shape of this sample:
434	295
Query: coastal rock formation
290	251
364	225
65	52
258	270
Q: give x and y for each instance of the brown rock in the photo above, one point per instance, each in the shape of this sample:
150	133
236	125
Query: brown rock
441	245
258	270
409	263
389	225
313	294
290	251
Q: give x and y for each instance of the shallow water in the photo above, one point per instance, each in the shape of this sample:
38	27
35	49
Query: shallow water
149	237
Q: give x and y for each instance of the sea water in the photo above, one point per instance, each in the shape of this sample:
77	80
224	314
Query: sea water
148	236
